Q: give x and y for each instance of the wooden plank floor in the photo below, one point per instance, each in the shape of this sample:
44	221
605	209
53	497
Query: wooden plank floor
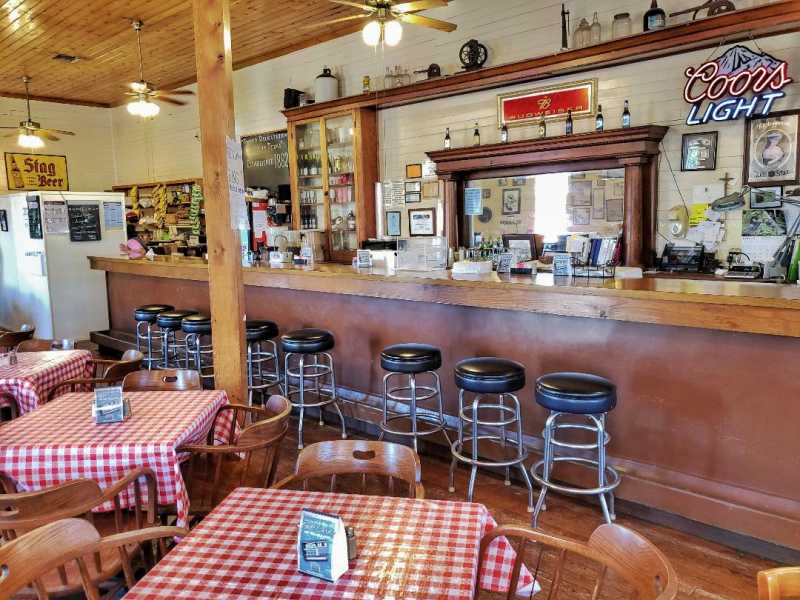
706	570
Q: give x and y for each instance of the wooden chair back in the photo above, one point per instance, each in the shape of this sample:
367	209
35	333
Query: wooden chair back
162	380
11	339
615	548
106	373
350	457
54	546
37	345
248	459
779	584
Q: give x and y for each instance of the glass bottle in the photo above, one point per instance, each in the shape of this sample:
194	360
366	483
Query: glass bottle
542	128
655	18
599	121
476	136
568	125
504	134
447	143
626	116
595	31
580	39
621	27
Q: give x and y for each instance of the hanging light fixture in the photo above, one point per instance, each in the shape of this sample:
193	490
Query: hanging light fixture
141	106
390	32
29	140
30	133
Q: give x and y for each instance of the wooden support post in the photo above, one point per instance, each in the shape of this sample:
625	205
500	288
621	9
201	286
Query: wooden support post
212	39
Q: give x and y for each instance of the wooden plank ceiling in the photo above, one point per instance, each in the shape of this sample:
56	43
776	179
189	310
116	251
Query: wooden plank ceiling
32	32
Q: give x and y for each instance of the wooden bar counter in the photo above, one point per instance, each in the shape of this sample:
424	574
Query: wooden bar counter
708	421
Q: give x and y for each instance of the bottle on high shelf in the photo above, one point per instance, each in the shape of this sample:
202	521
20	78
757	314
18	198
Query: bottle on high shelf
568	124
504	134
599	121
447	142
655	18
542	128
626	116
476	135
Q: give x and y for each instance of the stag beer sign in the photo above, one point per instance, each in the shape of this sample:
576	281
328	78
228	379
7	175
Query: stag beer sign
740	83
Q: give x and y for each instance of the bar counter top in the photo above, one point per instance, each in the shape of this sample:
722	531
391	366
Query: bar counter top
748	307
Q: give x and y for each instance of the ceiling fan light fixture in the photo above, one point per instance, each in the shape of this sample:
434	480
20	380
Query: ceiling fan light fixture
392	33
28	140
143	108
371	34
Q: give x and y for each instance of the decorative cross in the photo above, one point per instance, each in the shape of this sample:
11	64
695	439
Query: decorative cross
726	180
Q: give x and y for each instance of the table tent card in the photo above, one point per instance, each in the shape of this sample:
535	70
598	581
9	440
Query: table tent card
321	545
109	406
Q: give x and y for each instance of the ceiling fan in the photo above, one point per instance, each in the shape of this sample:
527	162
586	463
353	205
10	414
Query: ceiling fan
29	132
144	92
385	17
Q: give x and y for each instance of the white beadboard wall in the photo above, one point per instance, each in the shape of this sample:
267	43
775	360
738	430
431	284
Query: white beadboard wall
168	146
90	153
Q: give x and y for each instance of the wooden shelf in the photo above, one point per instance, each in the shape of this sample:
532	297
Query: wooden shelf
151	184
761	21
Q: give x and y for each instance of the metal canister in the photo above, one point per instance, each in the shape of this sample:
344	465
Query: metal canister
352	545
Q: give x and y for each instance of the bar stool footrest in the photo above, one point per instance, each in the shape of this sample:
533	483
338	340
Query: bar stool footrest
457	449
436	425
611	474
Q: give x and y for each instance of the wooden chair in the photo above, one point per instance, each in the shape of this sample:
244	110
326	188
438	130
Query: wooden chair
351	457
37	345
106	373
248	459
11	339
70	544
779	584
22	512
162	380
624	552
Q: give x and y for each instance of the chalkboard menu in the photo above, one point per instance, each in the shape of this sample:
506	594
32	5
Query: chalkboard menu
266	160
84	222
34	218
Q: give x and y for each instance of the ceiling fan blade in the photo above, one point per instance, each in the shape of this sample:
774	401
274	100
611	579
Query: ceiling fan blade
47	135
176	92
332	21
407	7
168	100
360	5
15	127
58	131
427	22
10	134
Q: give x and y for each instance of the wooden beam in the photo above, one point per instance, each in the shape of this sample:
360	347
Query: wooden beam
212	34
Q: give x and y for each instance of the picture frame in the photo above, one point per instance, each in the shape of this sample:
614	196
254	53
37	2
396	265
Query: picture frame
763	222
699	151
414	171
518	243
3	220
394	223
486	193
413	186
421	222
582	215
766	197
772	149
413	197
512	201
791	191
599	203
430	189
615	210
580	193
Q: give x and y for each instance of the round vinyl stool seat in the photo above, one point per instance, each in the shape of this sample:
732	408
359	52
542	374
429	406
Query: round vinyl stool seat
256	331
576	393
411	358
490	375
149	312
173	319
307	341
198	323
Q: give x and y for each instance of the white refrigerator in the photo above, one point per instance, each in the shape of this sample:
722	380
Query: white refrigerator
45	279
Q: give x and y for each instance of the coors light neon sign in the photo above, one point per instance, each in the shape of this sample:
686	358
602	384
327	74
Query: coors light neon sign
740	83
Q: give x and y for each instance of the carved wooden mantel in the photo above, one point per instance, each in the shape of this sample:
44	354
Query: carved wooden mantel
635	149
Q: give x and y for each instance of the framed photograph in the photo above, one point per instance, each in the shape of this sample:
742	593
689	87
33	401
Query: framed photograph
3	220
580	193
772	149
699	151
512	201
414	171
549	102
502	182
599	204
413	197
792	191
421	221
615	210
486	193
760	222
394	220
766	197
430	189
523	245
413	186
581	215
519	181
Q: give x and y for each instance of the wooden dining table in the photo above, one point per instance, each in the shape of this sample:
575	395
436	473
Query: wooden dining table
60	442
28	383
407	549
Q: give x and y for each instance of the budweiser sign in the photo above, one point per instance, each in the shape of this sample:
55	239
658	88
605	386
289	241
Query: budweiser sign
740	83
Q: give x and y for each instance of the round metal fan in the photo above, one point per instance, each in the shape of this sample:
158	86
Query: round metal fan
388	10
31	128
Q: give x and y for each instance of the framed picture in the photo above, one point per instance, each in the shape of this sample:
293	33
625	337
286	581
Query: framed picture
792	191
413	186
413	197
414	171
3	220
549	102
512	200
430	189
772	149
523	245
519	181
486	193
421	221
581	215
699	151
615	210
394	220
599	203
763	222
580	193
766	197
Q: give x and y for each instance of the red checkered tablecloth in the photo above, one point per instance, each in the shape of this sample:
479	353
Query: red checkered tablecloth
30	381
60	442
409	549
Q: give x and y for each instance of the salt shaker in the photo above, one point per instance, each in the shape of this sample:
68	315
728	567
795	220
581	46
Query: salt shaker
352	546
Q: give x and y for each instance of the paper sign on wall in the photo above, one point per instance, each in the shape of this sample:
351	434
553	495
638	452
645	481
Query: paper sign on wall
238	206
55	217
112	215
473	201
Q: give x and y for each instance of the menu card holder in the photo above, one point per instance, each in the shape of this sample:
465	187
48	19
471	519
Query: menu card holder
321	545
109	406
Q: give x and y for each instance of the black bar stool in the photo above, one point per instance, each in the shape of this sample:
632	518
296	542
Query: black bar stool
259	377
170	322
490	377
409	361
145	317
198	347
588	396
307	345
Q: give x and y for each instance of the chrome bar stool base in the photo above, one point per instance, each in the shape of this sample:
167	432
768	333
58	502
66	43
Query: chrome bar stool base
260	377
172	346
199	351
148	336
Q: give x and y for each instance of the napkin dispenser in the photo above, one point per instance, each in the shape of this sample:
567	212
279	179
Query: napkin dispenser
110	406
322	549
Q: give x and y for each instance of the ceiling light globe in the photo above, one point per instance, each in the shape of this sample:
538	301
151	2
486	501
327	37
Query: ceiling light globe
143	108
371	34
392	33
28	140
